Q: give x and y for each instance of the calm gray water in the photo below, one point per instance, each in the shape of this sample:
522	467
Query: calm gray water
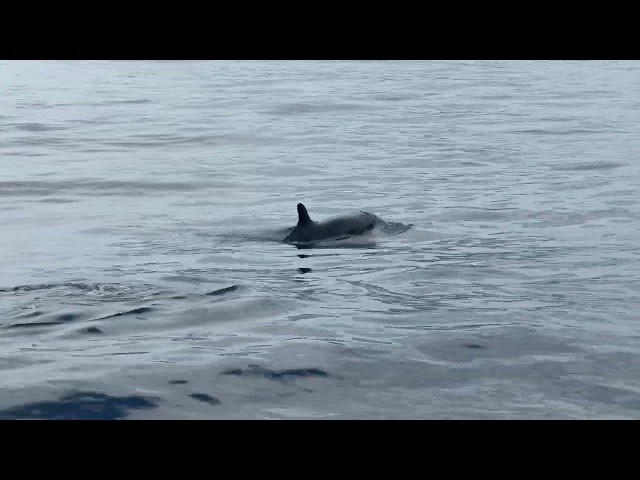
142	206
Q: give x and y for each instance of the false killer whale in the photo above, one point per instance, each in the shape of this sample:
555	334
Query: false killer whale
339	228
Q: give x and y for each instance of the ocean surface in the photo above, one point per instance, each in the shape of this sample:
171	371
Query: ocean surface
143	204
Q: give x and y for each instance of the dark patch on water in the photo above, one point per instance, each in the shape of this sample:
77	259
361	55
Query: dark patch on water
304	270
80	406
57	200
125	102
67	317
475	346
276	375
37	127
188	336
203	397
302	255
222	291
177	382
93	330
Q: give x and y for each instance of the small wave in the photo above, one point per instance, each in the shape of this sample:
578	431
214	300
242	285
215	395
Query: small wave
555	131
125	102
307	108
222	291
48	286
135	311
34	324
60	319
92	187
108	292
358	241
393	228
589	166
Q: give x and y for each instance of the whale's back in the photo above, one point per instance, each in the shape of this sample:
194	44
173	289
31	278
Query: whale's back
356	224
338	227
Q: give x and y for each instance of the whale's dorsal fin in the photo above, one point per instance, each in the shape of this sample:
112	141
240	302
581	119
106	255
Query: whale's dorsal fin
303	216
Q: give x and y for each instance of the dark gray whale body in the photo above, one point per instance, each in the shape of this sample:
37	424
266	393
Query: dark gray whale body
340	227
